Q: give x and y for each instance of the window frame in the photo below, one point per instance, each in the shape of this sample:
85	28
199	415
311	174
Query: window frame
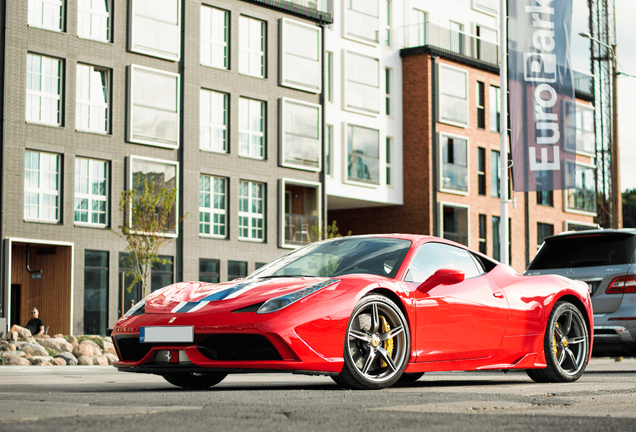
263	75
443	204
88	102
262	133
210	274
249	215
225	127
328	71
283	80
62	4
480	93
567	223
543	224
388	86
345	165
41	192
211	40
131	104
105	291
129	185
109	38
328	150
566	193
440	76
282	130
593	110
132	47
494	111
93	197
41	94
483	223
481	171
281	226
345	103
388	34
239	276
211	210
346	34
441	135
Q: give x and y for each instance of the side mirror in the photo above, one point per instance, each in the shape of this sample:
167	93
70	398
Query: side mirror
442	277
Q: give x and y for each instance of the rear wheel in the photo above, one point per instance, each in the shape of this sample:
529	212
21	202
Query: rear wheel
566	346
377	345
192	380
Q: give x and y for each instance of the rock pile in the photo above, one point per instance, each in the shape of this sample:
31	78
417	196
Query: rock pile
59	350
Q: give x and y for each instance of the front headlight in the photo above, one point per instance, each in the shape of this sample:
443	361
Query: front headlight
141	303
278	303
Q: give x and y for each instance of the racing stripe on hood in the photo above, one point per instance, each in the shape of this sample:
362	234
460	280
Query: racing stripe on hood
226	293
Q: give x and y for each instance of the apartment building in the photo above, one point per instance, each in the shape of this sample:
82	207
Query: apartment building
450	151
217	98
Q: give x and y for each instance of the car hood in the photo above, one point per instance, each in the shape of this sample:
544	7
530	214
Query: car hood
184	297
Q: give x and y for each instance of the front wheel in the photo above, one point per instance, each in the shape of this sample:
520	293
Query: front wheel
566	346
195	380
377	345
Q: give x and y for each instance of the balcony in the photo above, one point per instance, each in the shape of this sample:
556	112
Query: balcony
583	82
319	10
451	41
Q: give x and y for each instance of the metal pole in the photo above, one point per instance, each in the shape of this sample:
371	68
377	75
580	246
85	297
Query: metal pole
503	164
617	198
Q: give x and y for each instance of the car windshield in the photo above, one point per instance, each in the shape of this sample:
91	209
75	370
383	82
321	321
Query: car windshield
585	250
341	256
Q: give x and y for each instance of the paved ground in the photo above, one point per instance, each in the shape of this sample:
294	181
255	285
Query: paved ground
82	398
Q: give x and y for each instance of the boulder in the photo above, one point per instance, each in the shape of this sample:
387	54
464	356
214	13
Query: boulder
68	358
87	348
12	336
111	358
84	361
72	340
23	333
33	349
42	336
100	360
59	335
58	344
109	348
14	354
7	346
41	360
16	361
31	340
58	361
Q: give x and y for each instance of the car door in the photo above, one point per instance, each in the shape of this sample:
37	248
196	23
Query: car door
465	320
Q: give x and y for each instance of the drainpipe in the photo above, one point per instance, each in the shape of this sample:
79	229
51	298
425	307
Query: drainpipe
180	151
434	145
3	62
323	170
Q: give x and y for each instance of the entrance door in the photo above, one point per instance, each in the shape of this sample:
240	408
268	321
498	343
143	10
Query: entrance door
15	305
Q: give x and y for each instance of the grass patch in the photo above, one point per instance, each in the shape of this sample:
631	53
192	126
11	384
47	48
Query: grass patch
51	351
98	340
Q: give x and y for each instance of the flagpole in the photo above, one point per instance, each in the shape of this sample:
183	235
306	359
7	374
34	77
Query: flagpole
503	126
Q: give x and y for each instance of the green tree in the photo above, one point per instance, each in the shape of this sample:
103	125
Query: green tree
148	220
331	231
629	208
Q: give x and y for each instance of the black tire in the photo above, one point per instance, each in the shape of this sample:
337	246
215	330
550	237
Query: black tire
377	345
407	378
566	346
195	380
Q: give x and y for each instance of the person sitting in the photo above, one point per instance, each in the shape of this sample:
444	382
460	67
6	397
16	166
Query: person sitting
35	326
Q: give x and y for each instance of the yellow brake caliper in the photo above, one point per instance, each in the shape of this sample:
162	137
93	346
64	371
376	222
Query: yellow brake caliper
556	350
388	344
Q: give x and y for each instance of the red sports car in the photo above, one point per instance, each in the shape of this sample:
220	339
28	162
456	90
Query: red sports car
368	311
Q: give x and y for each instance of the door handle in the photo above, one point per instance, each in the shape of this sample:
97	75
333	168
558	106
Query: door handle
498	294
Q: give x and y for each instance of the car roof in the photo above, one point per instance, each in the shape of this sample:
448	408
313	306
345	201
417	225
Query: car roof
594	232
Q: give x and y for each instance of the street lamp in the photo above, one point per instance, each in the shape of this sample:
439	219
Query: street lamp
616	217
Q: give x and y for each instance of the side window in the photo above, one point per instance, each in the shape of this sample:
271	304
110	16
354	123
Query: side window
431	257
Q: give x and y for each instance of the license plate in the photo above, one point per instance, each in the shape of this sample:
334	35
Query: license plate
173	334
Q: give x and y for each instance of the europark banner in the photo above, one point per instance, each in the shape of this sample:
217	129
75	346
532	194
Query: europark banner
542	106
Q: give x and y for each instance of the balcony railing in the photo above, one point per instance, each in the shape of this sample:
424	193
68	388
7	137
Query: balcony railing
301	229
583	82
322	9
453	41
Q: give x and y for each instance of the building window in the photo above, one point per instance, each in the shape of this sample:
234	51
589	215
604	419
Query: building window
236	270
161	274
41	186
213	126
543	230
481	170
214	37
301	127
454	160
387	80
453	95
545	198
251	47
583	197
481	105
483	234
362	83
44	90
251	211
361	20
495	109
209	270
163	174
328	91
155	107
91	188
301	207
156	28
93	19
95	292
259	265
328	148
212	206
251	128
585	137
363	151
131	293
47	14
579	226
92	112
389	145
455	223
300	55
387	23
495	174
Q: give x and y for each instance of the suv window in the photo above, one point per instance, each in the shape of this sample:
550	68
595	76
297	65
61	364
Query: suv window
431	257
585	250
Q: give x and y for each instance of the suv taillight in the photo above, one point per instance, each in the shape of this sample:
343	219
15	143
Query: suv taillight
623	284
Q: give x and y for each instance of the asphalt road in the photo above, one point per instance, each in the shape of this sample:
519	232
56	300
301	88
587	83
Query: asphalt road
83	398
